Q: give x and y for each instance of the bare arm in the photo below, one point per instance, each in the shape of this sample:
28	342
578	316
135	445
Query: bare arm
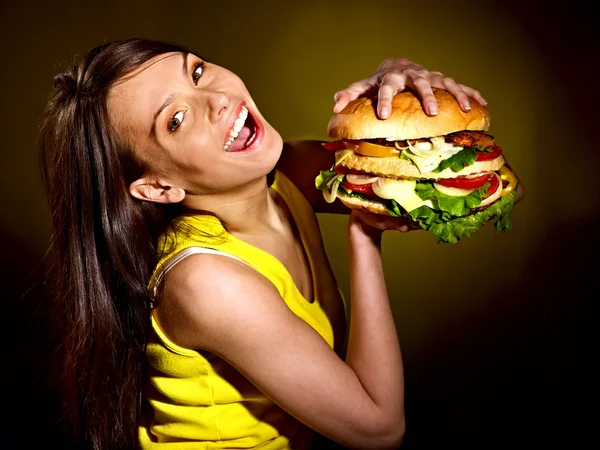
223	306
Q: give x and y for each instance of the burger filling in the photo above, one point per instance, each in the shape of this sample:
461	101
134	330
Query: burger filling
450	207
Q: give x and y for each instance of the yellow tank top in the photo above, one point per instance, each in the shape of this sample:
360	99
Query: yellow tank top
199	400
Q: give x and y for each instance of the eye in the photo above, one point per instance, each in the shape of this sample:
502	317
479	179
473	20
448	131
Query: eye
197	72
175	121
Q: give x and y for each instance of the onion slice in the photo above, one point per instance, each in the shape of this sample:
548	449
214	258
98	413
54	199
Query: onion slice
331	196
492	198
361	179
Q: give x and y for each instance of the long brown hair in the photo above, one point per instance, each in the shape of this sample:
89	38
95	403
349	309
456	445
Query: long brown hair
103	249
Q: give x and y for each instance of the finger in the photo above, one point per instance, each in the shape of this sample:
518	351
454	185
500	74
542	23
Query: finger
474	94
422	87
384	223
341	99
458	92
384	100
405	224
352	92
389	84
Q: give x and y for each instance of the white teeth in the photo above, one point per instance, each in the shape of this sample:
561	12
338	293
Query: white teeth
237	127
251	138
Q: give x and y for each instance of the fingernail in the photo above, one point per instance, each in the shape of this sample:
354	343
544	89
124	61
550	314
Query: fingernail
433	109
384	112
465	105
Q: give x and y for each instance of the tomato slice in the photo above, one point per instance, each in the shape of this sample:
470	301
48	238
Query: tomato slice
341	170
472	182
362	188
494	184
334	145
464	182
483	156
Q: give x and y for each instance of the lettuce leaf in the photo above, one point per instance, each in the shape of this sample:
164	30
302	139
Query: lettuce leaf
394	209
445	223
451	231
484	149
352	194
456	206
404	156
459	161
323	177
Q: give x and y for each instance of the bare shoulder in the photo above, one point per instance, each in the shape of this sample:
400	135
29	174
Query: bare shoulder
220	305
204	293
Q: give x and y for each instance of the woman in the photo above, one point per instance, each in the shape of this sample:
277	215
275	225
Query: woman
161	173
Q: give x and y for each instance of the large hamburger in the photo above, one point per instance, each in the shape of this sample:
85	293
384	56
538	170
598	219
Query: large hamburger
444	172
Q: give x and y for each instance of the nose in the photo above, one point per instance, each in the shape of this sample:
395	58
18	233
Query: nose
217	102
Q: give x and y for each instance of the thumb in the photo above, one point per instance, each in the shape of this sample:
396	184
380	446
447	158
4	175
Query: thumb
352	92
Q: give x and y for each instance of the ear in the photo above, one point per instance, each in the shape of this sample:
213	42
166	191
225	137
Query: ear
154	191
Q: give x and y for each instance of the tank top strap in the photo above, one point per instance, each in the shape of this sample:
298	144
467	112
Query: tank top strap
162	272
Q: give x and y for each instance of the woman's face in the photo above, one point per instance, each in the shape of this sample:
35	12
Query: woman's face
194	124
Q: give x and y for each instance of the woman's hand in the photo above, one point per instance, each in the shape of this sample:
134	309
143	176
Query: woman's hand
375	224
397	74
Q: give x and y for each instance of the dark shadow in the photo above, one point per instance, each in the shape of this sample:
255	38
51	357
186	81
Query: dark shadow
522	373
30	406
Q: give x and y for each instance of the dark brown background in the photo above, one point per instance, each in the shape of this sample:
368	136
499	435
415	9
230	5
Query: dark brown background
499	331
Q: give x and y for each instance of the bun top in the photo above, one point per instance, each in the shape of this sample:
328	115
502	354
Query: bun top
358	120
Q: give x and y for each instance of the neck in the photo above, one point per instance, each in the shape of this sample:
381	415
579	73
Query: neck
245	211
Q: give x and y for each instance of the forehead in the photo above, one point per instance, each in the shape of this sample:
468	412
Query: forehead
159	66
133	99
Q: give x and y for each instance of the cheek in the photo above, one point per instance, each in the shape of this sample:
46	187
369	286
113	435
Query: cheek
192	158
155	158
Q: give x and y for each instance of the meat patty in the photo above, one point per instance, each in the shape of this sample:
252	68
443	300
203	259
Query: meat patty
462	138
471	139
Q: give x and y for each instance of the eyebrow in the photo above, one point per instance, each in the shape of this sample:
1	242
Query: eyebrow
170	98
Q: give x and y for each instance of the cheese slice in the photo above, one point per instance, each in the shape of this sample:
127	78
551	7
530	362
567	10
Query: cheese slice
341	155
401	190
427	155
430	162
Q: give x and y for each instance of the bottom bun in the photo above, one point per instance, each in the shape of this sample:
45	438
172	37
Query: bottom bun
364	205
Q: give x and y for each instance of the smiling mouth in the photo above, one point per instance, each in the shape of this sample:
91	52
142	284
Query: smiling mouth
242	133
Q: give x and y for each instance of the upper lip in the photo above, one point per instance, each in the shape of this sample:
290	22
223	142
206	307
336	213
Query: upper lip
232	118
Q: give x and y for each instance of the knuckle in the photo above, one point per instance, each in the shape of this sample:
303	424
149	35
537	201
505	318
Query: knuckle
422	72
396	61
449	82
395	64
391	77
421	82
